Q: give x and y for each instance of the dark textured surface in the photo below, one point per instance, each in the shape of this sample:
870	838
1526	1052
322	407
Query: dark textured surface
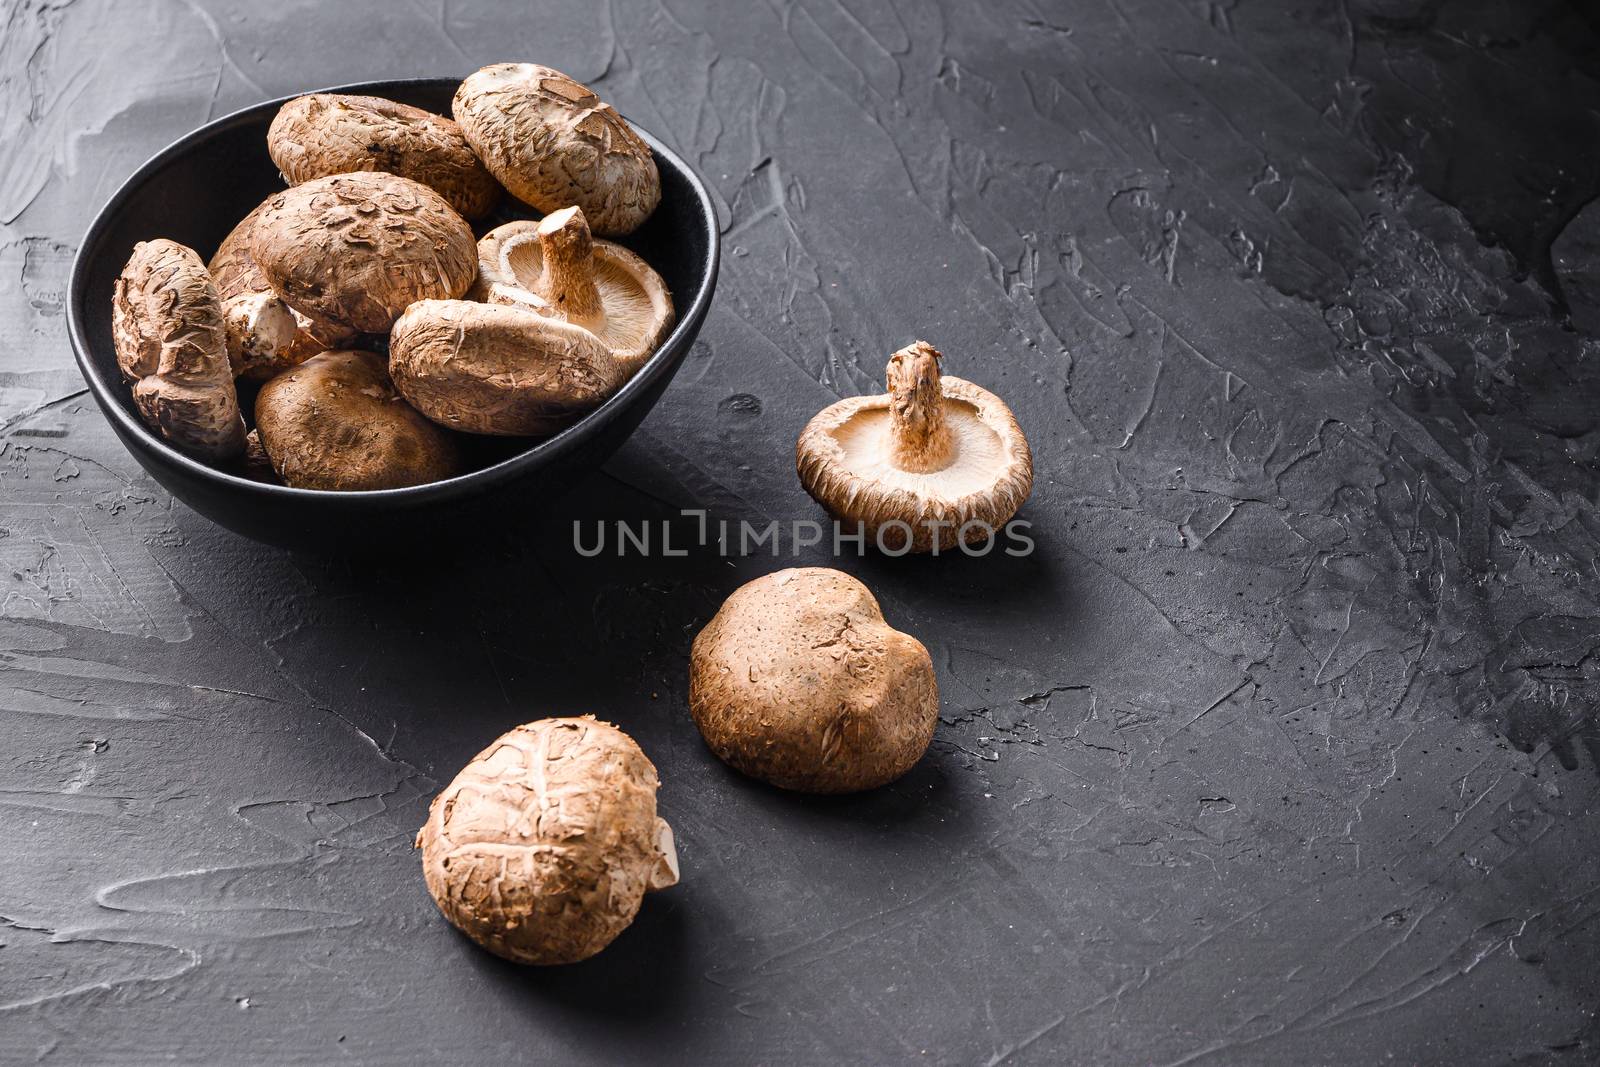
1279	749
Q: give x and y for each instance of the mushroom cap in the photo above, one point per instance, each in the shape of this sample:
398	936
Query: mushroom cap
357	249
495	369
846	458
800	682
553	142
543	847
335	422
630	311
232	270
166	326
265	335
328	133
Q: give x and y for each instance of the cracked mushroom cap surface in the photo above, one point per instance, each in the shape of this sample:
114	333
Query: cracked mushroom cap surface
497	369
552	142
556	268
166	326
542	849
329	133
934	462
265	335
799	681
358	249
335	422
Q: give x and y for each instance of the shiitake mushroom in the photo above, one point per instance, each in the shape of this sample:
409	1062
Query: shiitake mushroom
799	681
166	325
543	847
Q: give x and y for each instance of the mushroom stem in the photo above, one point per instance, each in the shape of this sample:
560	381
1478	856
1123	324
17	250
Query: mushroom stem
921	440
567	280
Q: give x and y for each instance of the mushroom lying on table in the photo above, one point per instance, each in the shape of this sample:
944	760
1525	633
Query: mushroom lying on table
554	267
800	682
329	133
335	422
543	847
166	326
932	463
552	142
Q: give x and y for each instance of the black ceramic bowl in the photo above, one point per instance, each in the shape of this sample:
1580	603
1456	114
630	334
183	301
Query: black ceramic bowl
197	189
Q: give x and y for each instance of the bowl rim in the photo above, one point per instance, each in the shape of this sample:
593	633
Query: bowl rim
661	362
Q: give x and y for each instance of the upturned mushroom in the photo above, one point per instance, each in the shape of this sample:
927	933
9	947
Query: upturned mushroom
556	268
265	335
335	422
552	142
542	849
497	369
358	249
800	682
166	326
327	133
933	463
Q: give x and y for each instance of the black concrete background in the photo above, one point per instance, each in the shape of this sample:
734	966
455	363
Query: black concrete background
1279	749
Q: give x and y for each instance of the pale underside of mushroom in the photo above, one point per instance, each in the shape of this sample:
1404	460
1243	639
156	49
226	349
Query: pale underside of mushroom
554	267
939	454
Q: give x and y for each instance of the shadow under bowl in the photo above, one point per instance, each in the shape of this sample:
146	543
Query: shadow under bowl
197	189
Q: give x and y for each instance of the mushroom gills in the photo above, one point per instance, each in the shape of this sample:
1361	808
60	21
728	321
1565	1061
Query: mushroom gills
866	450
556	268
930	462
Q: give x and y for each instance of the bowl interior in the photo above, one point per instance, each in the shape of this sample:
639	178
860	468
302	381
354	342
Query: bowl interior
198	189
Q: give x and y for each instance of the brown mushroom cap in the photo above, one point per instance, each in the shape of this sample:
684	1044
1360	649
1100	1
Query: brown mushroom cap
800	682
553	142
543	847
335	422
265	335
327	133
494	369
358	249
232	270
556	268
941	455
166	325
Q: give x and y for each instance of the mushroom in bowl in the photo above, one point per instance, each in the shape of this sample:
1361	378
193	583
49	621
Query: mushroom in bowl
172	347
554	267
